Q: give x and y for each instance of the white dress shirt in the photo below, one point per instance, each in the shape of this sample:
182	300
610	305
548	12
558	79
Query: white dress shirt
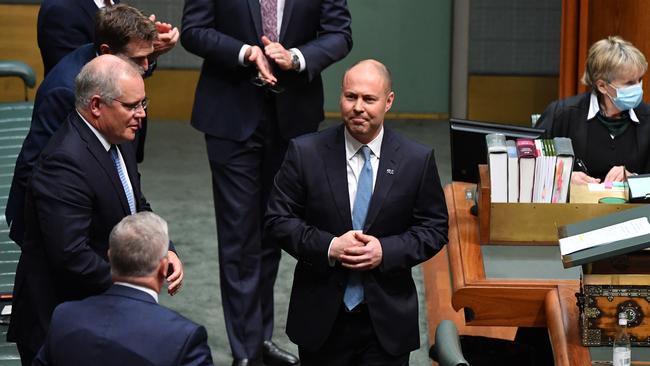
354	165
147	290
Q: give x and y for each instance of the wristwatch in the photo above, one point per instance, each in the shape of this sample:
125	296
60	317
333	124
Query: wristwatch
295	61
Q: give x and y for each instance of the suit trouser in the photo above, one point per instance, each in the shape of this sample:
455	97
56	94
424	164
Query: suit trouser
352	342
242	175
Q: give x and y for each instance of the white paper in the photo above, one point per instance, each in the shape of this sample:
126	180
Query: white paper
600	187
6	310
624	230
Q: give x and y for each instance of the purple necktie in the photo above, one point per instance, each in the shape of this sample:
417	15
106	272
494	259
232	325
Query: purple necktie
270	19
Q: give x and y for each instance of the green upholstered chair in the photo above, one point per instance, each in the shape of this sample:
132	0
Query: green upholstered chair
15	119
446	350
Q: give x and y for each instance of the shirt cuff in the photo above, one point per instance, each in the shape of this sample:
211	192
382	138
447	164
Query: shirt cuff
242	53
303	63
331	261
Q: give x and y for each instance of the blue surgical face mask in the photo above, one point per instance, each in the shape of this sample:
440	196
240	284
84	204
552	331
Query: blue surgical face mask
628	97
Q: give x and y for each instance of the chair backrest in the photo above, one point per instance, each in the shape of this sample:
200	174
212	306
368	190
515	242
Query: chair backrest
446	350
15	119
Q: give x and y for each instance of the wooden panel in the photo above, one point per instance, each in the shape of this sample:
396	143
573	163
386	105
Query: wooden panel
588	21
562	320
18	42
626	18
172	94
506	302
510	99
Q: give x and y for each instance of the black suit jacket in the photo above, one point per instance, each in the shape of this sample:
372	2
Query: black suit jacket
227	105
74	199
122	326
62	26
309	206
568	118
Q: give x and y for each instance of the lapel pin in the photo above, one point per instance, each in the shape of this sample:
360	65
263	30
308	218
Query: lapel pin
390	171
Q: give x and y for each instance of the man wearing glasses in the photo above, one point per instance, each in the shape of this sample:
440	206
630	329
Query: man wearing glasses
260	86
120	30
85	182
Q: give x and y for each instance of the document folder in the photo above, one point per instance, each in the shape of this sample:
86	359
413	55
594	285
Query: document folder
608	249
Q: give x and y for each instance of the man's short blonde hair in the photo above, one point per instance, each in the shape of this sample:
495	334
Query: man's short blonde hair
610	57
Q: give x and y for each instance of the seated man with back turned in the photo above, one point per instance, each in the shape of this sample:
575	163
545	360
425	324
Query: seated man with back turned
120	30
125	325
358	206
86	180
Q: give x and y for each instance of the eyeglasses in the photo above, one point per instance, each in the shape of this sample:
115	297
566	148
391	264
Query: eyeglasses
133	107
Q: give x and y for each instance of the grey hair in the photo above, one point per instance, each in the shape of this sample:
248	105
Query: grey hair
137	244
100	77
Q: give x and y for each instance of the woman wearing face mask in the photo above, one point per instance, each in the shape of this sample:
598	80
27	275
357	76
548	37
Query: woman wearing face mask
610	125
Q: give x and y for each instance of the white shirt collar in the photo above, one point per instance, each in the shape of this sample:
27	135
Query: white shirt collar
99	135
352	145
100	3
141	288
594	108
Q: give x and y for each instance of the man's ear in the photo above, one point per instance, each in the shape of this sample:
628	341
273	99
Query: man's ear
389	100
104	49
163	267
95	104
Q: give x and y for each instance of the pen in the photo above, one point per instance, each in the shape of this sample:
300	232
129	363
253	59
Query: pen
581	166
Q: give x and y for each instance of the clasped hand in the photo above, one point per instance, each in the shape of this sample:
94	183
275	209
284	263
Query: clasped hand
357	251
273	51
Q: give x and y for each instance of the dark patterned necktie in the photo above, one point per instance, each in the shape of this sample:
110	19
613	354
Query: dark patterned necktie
270	19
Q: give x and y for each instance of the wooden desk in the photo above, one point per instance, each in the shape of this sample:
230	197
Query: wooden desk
546	303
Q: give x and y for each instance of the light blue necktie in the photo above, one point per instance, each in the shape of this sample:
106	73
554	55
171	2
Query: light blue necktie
123	178
354	290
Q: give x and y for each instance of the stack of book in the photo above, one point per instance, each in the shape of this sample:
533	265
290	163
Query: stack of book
529	170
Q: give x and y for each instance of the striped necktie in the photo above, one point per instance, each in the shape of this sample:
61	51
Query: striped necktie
353	295
123	178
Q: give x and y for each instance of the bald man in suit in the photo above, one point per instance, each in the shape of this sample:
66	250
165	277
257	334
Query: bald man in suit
358	206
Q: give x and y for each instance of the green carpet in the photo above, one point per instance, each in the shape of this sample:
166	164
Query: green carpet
176	181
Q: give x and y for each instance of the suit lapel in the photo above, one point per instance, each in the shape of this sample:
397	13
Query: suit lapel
90	8
389	163
286	16
254	7
337	175
642	131
100	154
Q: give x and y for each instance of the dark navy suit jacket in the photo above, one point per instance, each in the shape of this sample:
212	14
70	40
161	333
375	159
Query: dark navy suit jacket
62	27
123	326
74	199
54	101
309	206
227	105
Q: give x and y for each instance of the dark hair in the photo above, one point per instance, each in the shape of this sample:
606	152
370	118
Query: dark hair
119	24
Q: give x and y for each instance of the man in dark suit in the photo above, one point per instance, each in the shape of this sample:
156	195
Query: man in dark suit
260	86
121	30
358	206
86	180
125	325
65	25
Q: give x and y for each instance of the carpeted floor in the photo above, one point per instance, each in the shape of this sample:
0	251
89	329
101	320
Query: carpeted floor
176	181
